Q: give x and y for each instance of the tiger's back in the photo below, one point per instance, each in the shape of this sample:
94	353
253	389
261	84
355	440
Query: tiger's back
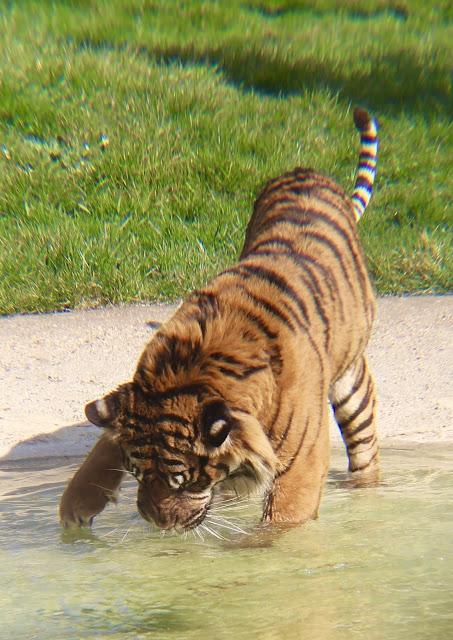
303	229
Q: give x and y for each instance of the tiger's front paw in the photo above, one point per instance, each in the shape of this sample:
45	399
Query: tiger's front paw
80	503
94	485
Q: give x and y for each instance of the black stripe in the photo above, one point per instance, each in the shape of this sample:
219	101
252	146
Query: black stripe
302	260
278	201
184	390
277	281
276	184
141	377
308	283
329	278
223	357
356	386
363	164
159	438
319	308
170	417
362	426
354	445
172	463
368	138
278	242
365	183
286	218
322	239
294	456
132	425
273	420
208	308
153	442
140	455
316	215
268	306
256	320
362	406
150	423
367	464
318	184
246	373
342	207
161	355
366	155
285	433
294	219
275	358
356	196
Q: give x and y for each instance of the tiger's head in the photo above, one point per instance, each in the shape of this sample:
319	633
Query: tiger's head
185	425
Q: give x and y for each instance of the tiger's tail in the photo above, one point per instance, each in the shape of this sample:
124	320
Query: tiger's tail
366	170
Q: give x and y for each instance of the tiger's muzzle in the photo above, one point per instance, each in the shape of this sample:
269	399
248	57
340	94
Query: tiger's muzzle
170	509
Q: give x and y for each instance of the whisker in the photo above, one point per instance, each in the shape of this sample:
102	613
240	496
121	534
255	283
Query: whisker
233	499
109	533
231	527
232	506
223	518
125	535
235	511
236	500
199	534
213	532
99	486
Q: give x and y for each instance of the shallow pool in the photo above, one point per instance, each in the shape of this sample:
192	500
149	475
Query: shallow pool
378	564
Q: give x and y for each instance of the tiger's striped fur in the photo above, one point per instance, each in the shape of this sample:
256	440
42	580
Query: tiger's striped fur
366	170
236	384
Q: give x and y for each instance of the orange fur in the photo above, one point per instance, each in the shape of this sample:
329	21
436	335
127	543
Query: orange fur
237	383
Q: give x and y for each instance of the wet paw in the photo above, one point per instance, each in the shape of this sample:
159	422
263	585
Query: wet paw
79	505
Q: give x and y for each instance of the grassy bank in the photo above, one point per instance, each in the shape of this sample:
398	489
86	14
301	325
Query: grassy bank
134	135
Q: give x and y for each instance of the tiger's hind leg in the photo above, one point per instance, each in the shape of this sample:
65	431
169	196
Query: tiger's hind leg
353	399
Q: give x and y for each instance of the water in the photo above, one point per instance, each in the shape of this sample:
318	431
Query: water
378	564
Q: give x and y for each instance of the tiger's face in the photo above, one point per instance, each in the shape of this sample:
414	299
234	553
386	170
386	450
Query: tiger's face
180	448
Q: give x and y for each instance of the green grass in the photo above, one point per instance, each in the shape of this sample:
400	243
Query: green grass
202	102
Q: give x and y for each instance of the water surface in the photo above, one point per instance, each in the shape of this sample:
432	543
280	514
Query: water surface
378	564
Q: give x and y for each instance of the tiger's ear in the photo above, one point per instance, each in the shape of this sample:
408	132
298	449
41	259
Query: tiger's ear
216	423
104	411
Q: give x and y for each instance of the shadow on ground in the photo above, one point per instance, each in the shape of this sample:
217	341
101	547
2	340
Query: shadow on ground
74	440
409	85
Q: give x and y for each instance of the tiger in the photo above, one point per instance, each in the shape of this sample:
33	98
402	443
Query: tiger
238	384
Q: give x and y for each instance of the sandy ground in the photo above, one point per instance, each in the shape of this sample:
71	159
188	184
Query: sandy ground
51	365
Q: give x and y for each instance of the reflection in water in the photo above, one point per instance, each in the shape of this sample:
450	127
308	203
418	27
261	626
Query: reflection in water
377	564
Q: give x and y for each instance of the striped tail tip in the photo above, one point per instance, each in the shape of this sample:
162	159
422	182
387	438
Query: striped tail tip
366	170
